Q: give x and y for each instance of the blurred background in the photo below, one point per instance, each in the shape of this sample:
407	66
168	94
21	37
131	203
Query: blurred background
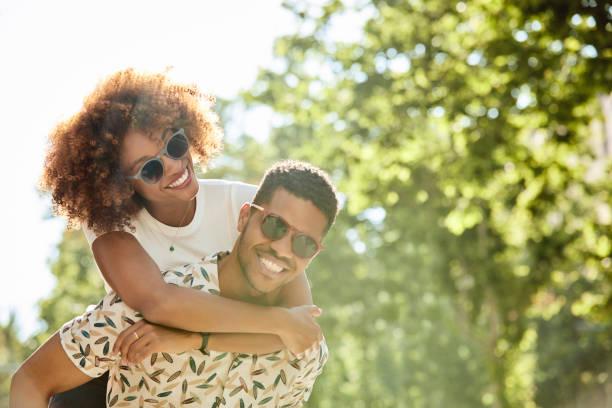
472	141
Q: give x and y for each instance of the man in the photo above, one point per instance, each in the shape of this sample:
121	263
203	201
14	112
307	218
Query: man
280	233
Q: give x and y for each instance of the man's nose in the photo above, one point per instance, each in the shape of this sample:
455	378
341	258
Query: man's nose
283	246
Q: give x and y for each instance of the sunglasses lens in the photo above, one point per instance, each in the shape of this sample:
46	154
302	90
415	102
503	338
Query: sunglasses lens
178	146
152	171
304	246
274	227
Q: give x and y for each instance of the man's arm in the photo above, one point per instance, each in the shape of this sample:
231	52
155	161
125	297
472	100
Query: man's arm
46	372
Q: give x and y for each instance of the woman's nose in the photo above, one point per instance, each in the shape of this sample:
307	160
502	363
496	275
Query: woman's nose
172	166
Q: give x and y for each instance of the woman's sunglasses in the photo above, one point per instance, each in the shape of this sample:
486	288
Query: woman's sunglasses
274	227
152	171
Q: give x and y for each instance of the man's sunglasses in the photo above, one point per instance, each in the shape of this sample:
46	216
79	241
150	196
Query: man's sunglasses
274	227
152	171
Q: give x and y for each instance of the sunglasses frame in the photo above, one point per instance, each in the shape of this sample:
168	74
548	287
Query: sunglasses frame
157	158
290	228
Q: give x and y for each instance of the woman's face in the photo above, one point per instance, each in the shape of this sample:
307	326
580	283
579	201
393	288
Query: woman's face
178	183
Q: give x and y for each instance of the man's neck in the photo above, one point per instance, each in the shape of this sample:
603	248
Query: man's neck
233	284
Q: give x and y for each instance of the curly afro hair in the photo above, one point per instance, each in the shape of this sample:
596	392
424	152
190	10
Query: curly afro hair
81	169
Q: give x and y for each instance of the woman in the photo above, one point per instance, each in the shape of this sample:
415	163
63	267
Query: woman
122	168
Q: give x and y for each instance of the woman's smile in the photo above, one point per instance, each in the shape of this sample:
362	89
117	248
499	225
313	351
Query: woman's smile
182	181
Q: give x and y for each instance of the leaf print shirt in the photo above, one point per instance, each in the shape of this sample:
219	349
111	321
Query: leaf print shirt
210	379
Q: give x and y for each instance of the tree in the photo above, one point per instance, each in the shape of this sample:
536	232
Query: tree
12	352
79	284
459	133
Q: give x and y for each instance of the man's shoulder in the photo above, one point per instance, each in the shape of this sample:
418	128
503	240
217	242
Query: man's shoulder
200	274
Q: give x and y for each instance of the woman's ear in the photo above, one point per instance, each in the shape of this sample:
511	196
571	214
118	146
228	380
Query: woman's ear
243	218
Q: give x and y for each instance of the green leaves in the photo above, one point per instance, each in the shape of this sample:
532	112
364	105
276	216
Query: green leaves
78	284
466	125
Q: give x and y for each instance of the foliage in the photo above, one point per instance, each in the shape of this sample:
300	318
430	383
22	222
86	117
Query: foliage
12	352
79	284
471	266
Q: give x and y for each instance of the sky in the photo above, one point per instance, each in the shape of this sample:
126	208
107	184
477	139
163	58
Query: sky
54	52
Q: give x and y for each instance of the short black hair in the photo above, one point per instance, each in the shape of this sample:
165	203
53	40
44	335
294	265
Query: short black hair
302	180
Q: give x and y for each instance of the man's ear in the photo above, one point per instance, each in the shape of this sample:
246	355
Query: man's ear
243	218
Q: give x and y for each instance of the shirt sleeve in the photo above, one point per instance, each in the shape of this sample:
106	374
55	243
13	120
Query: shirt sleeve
89	234
277	379
88	339
311	366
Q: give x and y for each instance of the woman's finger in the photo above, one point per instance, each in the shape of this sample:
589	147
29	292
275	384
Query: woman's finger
315	311
137	348
126	337
137	333
120	338
144	350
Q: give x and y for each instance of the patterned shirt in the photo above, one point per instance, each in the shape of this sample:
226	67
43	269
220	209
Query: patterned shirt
209	379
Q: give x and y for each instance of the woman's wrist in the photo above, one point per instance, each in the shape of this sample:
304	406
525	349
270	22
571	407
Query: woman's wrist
195	341
278	316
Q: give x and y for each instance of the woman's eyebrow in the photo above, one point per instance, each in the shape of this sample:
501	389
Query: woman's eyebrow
166	133
136	162
163	137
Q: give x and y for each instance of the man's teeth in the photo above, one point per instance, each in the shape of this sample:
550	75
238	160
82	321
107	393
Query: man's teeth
180	180
274	267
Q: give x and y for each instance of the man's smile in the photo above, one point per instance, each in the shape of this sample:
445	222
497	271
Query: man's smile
270	266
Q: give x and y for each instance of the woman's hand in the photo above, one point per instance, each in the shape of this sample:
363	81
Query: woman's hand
299	331
142	339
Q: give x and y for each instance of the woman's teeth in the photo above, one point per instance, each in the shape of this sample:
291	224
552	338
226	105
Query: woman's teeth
181	180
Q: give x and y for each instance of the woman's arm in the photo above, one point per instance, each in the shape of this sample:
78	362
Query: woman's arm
46	372
135	277
153	338
296	293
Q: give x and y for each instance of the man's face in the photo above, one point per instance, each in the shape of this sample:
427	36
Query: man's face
269	264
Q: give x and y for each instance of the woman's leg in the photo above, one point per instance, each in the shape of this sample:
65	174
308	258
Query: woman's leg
46	372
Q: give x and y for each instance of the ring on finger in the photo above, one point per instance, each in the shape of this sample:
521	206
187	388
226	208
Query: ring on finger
137	336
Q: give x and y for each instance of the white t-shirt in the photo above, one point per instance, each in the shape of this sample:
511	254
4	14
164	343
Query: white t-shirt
212	229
